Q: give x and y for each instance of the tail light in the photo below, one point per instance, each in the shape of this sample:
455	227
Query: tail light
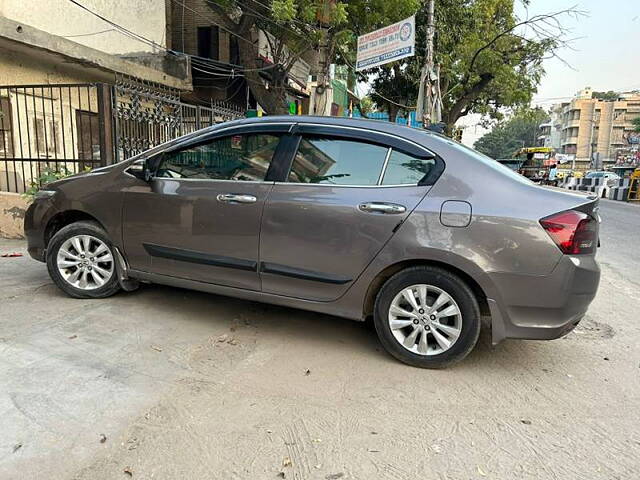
573	232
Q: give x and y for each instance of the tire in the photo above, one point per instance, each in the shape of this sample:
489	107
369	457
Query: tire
91	235
460	330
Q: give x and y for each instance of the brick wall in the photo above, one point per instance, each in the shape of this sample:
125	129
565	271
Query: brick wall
185	21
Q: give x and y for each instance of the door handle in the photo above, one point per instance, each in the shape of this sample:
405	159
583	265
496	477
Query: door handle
234	198
378	207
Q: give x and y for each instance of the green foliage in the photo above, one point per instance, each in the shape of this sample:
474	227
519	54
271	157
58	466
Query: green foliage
636	124
368	15
284	10
47	175
366	105
393	88
507	137
606	96
486	64
293	28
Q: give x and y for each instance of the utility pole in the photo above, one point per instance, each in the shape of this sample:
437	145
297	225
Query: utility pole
321	91
424	108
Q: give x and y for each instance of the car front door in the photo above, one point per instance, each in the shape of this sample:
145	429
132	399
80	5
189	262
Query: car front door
344	194
199	216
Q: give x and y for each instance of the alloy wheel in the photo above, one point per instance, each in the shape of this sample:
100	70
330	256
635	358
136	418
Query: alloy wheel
85	262
425	319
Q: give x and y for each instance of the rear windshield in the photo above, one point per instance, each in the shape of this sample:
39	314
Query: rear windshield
490	162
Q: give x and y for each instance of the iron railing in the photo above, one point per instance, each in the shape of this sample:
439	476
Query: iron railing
48	126
72	127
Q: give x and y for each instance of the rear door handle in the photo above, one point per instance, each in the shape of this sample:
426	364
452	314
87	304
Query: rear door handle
236	198
378	207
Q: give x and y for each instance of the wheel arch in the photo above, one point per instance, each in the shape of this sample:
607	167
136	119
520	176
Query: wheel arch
64	218
389	271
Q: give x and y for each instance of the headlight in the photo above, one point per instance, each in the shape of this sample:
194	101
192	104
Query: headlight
42	194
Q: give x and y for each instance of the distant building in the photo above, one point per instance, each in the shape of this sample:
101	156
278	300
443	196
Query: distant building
57	42
551	131
215	57
595	133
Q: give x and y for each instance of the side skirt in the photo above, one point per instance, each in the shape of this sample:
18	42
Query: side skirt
329	308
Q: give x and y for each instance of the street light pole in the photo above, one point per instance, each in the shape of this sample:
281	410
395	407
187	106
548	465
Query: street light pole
424	107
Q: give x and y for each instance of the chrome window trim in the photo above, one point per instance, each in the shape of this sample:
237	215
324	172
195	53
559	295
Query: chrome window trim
213	180
384	166
352	186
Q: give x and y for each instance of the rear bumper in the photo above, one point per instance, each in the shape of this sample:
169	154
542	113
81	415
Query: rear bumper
544	307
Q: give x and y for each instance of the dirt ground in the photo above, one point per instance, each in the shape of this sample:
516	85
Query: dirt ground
168	384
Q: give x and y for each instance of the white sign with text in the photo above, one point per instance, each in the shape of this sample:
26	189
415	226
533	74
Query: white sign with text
387	44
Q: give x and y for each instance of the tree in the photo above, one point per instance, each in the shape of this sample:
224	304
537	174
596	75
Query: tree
489	58
393	90
294	28
507	137
291	27
636	124
606	96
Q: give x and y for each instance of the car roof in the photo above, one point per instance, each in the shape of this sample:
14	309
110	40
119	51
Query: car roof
415	134
428	139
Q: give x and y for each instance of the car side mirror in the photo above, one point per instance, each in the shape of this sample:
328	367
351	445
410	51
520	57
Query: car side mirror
141	170
146	172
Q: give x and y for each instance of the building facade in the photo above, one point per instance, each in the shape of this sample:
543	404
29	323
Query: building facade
551	131
595	133
215	58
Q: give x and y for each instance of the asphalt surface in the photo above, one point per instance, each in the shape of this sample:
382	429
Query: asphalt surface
166	383
619	234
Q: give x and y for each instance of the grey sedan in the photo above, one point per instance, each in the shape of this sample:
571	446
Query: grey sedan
352	218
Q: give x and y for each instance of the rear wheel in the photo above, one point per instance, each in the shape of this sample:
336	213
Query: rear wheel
427	317
81	261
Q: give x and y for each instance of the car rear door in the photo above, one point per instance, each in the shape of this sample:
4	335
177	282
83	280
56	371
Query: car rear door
199	217
342	196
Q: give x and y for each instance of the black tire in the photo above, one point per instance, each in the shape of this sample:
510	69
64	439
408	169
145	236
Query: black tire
110	287
456	288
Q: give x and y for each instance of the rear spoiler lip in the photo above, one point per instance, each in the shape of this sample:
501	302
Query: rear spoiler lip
590	207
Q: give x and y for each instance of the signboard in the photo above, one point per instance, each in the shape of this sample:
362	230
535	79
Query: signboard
387	44
564	157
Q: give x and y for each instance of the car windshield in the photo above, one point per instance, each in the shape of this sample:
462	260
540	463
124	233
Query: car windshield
594	175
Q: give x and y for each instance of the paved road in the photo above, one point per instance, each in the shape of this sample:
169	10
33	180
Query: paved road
620	236
188	385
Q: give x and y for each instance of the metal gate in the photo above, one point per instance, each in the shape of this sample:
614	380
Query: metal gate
147	115
68	128
57	127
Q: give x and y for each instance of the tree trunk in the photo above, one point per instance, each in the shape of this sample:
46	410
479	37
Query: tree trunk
272	99
393	112
455	112
320	100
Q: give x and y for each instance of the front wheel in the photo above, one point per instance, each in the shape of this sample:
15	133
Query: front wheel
427	317
81	261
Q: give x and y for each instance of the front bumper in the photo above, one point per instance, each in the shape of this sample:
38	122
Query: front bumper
544	307
35	221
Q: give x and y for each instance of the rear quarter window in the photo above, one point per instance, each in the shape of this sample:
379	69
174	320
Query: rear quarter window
404	169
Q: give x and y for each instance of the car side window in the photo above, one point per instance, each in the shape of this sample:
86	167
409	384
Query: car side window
243	157
403	169
335	161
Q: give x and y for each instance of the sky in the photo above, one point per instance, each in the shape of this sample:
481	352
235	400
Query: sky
605	55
